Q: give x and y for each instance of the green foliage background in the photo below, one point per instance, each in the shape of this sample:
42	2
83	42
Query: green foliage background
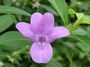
70	51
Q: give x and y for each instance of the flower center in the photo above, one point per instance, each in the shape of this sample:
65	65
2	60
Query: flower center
42	40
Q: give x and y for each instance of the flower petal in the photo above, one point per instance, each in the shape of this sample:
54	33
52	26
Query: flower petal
58	33
41	55
35	19
24	28
46	24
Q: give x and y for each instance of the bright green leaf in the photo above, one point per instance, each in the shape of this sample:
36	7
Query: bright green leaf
85	21
80	15
87	17
71	11
61	8
78	21
81	18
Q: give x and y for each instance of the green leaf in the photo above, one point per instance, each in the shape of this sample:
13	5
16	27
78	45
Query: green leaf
61	8
82	19
5	22
84	39
71	11
2	55
88	31
75	64
80	15
13	17
7	2
13	10
13	40
70	45
83	47
53	63
79	31
86	19
49	9
7	64
81	55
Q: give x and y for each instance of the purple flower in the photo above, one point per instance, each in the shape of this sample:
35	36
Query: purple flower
42	32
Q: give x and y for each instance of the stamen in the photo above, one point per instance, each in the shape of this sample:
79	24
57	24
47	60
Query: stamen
42	40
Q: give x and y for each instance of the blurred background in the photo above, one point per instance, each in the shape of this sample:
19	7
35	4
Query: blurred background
67	51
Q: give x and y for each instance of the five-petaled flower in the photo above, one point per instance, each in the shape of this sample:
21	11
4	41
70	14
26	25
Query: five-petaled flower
42	32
